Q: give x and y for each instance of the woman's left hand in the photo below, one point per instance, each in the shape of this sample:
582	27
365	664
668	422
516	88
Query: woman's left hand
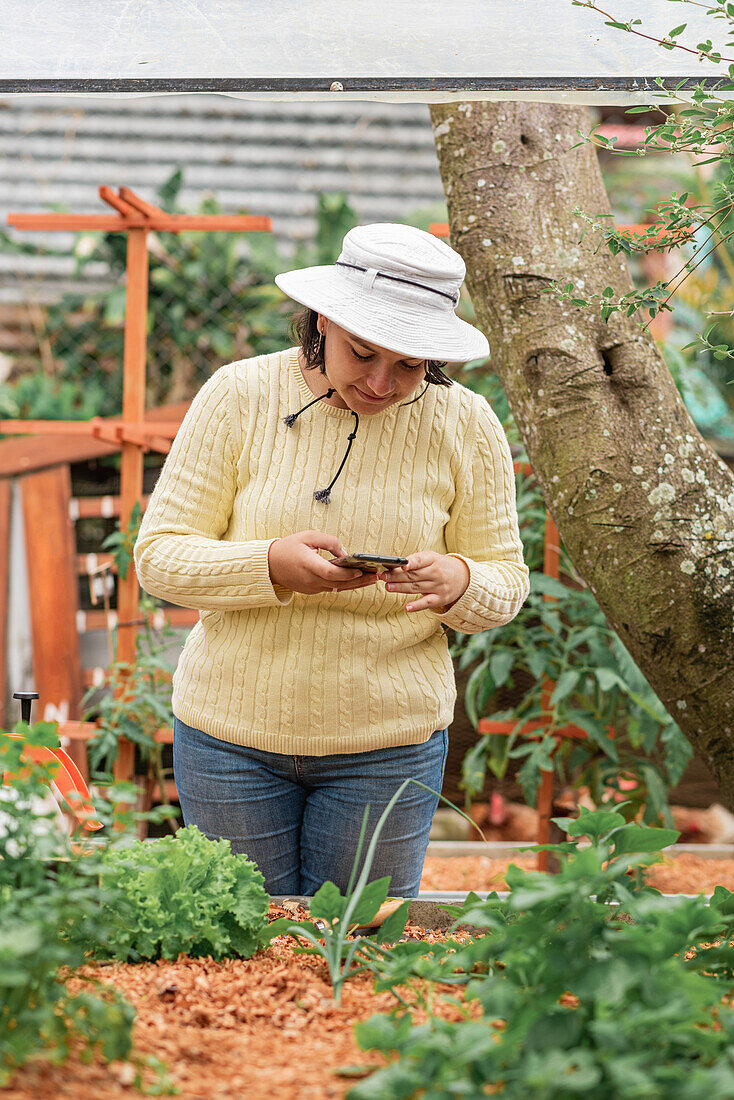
440	579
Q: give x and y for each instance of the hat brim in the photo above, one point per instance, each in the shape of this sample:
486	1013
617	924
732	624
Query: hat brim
404	327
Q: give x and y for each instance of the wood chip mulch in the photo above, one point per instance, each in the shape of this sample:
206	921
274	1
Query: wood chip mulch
267	1028
264	1028
683	874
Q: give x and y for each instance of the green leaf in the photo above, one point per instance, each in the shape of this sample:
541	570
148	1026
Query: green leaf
385	1033
474	767
249	902
328	904
538	661
552	619
498	757
642	838
678	753
500	666
393	928
566	683
282	926
596	732
477	680
538	759
592	823
609	679
370	900
353	1071
548	586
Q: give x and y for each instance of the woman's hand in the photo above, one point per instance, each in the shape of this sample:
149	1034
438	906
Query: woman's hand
294	562
440	579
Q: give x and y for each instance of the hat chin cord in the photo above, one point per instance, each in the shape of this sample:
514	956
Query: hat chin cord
324	495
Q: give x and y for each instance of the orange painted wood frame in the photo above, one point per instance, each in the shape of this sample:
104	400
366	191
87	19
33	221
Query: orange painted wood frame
535	729
49	544
136	217
131	470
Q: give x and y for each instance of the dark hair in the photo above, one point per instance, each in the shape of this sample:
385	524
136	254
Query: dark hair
304	329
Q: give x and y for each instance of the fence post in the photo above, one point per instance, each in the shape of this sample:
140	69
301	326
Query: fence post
131	467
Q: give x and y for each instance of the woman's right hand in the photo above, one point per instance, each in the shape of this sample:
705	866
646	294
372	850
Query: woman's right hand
294	562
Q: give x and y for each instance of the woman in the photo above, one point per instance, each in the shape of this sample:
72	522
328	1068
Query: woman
308	690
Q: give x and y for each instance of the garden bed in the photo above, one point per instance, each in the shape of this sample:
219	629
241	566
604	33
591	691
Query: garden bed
268	1026
684	873
264	1028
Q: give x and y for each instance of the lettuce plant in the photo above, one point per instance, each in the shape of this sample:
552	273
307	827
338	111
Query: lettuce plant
183	894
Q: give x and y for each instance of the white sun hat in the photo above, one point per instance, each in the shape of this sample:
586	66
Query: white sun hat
395	286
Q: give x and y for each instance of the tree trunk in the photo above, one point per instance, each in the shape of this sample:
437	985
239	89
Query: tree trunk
644	506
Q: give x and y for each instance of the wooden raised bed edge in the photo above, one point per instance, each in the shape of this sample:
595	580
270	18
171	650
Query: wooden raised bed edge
426	910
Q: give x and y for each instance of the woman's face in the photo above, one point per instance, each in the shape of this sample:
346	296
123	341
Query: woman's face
361	371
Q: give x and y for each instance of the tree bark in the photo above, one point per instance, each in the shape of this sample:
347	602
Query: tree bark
644	506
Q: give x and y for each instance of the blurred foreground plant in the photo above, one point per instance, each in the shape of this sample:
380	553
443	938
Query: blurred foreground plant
50	906
587	982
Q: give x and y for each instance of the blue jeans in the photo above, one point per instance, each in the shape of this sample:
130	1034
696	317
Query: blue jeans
299	817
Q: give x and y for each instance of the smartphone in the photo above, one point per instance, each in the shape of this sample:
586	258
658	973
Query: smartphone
369	563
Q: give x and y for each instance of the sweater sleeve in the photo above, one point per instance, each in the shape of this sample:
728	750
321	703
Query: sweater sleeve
483	531
181	554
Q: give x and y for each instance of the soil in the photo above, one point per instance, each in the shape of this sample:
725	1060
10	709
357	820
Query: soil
267	1028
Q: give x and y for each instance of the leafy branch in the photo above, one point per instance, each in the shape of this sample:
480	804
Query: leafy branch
122	542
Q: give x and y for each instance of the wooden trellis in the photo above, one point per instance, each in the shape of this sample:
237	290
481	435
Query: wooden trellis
135	217
535	729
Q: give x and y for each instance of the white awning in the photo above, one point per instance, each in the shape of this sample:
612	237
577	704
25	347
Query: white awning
397	50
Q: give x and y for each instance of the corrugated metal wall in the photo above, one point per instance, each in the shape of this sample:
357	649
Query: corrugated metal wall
260	157
270	158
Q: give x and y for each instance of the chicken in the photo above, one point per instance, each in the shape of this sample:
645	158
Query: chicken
714	825
711	825
501	820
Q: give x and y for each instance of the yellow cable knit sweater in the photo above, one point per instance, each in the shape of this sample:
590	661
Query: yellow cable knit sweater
340	671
